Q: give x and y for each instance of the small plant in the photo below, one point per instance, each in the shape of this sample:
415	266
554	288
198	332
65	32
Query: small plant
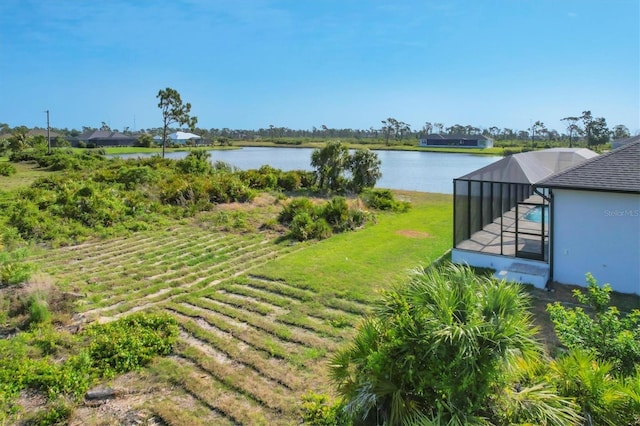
7	169
13	270
38	311
319	410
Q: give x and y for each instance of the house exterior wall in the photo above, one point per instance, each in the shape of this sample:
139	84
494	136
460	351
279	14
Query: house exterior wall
597	232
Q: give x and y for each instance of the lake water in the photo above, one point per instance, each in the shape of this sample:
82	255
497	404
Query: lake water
409	170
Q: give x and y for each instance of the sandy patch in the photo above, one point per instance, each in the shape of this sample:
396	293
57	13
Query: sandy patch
413	234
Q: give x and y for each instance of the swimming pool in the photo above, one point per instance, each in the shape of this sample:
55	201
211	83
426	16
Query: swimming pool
535	214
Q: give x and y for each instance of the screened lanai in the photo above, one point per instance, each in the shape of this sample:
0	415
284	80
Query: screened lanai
497	211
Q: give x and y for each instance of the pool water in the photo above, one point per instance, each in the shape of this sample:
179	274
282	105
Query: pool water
535	214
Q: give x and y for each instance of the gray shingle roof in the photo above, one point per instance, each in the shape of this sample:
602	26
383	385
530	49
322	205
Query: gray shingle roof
615	171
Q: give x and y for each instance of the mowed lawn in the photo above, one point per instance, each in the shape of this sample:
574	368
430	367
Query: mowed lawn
356	264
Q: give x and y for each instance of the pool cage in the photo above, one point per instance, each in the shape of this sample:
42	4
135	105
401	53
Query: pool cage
496	217
498	211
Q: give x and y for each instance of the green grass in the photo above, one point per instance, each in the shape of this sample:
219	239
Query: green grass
358	263
25	174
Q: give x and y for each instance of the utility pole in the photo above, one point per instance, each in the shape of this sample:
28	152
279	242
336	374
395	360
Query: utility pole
48	134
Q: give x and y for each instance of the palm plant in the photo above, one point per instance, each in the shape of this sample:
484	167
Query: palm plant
600	395
436	347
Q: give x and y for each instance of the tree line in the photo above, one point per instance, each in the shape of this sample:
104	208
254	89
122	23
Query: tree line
593	130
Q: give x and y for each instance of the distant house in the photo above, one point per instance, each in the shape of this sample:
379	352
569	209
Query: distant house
101	138
183	138
458	141
621	142
42	132
595	220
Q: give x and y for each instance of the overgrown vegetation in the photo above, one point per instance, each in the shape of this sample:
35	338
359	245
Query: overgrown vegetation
63	366
307	220
106	197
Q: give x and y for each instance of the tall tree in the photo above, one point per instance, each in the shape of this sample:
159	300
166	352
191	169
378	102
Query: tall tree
427	128
388	126
572	128
173	111
537	128
595	128
620	132
438	127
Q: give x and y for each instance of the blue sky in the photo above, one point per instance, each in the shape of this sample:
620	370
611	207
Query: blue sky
247	64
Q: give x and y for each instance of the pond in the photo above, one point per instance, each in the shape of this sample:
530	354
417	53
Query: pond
408	170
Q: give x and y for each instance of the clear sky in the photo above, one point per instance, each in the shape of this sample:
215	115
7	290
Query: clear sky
247	64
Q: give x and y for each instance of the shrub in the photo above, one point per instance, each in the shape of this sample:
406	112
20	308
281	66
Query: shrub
611	336
336	213
38	311
290	181
301	227
133	176
196	163
7	169
131	342
13	270
580	376
319	410
293	208
383	199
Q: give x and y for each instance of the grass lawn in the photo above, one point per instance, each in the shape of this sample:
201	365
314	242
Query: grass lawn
25	174
357	263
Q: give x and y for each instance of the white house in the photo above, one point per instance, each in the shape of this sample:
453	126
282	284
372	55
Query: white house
183	138
595	220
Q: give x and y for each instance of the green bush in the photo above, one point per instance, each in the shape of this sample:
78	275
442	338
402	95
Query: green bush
131	342
13	269
38	311
7	169
336	213
611	336
301	227
383	199
437	350
319	410
290	181
195	163
293	208
58	414
134	176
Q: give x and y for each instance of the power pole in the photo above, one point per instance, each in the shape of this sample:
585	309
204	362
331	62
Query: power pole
48	134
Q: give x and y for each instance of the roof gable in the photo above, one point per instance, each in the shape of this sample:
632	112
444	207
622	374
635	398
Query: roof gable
615	171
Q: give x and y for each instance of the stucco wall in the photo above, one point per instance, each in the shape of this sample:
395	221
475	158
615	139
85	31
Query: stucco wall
597	232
